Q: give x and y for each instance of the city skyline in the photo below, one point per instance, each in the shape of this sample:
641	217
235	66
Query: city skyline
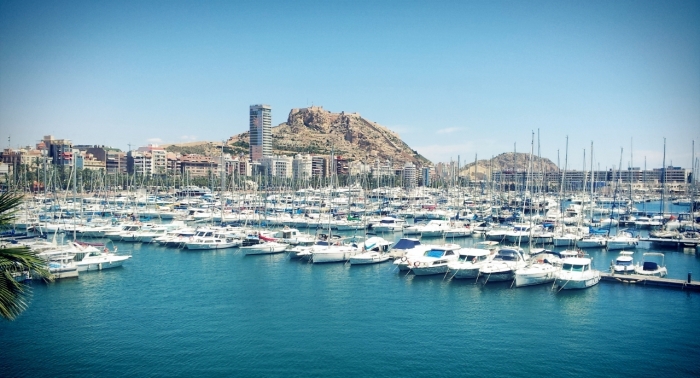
451	79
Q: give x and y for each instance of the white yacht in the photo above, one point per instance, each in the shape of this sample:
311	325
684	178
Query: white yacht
576	273
434	228
469	262
652	268
458	230
434	260
333	252
541	268
213	241
292	236
520	233
262	246
498	233
623	240
568	239
92	258
624	264
406	249
592	241
388	224
376	251
60	263
503	266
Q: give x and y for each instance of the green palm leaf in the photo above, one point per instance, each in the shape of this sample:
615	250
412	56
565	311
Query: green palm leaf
14	261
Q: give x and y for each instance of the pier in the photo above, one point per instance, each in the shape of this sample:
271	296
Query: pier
650	281
672	243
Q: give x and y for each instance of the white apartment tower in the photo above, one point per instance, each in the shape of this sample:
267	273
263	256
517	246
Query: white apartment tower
260	132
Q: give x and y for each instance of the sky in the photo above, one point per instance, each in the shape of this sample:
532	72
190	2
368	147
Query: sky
452	78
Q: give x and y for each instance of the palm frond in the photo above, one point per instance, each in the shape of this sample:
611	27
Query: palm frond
9	202
16	260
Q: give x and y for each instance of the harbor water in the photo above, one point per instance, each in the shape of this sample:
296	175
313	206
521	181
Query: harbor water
172	312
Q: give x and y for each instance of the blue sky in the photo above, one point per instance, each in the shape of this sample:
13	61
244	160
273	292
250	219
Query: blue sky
452	78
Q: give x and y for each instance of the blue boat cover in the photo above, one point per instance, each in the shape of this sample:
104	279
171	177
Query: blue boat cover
406	244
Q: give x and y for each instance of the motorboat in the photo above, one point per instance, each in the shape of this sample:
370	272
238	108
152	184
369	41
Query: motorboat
92	258
212	240
434	228
388	224
652	268
624	264
60	262
434	260
623	240
262	245
457	230
377	250
497	233
404	250
519	234
503	265
333	251
592	241
469	262
576	273
542	267
566	240
292	236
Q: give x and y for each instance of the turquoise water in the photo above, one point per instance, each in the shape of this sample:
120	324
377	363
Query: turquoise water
173	312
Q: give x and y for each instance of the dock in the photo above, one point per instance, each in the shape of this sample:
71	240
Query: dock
672	243
650	281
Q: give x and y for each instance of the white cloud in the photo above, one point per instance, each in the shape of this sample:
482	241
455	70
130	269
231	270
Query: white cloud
154	140
448	130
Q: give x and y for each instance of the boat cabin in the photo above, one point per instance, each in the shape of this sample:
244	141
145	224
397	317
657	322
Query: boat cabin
576	264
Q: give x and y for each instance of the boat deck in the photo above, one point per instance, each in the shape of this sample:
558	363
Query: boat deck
650	281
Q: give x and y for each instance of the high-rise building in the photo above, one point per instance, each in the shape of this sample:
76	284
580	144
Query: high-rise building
302	166
409	175
260	132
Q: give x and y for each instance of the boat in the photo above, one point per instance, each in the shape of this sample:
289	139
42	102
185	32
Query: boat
92	258
469	262
434	228
292	236
503	265
624	264
542	268
388	224
651	268
623	240
333	251
434	260
404	250
576	273
592	241
377	251
262	245
215	240
61	263
519	234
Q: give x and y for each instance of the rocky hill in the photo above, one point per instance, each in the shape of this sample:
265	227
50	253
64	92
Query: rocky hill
315	130
506	163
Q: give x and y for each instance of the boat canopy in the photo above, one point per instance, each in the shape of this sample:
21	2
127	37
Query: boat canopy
406	243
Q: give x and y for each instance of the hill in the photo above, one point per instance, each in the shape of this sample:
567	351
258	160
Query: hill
505	162
315	130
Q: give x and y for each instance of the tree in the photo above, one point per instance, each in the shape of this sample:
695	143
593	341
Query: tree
14	294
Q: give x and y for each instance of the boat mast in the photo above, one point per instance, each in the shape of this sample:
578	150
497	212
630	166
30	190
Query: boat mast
592	182
663	182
